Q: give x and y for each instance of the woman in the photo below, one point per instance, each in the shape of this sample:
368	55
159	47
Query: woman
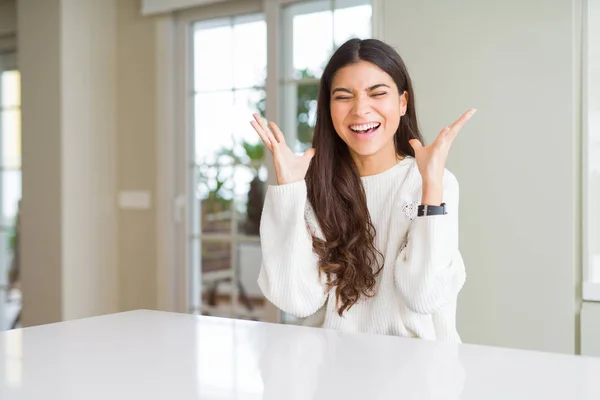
361	232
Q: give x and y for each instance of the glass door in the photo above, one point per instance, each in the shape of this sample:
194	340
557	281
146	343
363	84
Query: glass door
226	178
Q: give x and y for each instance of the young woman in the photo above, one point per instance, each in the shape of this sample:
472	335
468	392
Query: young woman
361	232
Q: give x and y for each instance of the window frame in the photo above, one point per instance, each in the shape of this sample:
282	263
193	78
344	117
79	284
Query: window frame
591	14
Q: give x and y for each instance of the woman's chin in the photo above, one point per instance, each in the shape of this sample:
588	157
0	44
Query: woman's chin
372	149
365	150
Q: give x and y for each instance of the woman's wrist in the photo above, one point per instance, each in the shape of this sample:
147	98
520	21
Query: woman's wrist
432	193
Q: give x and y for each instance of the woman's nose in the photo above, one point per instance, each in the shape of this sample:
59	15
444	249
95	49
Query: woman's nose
361	107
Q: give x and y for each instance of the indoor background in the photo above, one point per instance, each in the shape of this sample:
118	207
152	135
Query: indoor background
131	178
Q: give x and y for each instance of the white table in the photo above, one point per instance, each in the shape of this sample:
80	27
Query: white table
153	355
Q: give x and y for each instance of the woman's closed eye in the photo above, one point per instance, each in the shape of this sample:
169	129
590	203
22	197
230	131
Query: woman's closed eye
379	94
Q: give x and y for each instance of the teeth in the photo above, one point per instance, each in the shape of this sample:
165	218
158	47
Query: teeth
364	127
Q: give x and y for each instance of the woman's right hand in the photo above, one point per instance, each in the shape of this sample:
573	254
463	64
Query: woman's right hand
289	167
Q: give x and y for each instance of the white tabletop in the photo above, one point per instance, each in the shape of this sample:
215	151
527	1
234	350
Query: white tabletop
153	355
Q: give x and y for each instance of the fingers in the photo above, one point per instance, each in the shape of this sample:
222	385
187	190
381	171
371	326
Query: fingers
264	131
278	134
459	123
443	137
263	136
415	144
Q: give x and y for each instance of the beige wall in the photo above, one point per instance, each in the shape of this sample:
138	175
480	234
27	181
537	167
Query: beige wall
517	160
41	225
88	71
67	57
8	17
8	25
89	131
136	148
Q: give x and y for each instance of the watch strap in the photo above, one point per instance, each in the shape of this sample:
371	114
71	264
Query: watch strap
426	210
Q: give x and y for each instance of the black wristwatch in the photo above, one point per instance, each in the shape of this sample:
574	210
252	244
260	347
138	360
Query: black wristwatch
425	209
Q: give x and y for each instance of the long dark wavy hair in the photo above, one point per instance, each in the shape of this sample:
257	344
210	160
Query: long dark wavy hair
348	255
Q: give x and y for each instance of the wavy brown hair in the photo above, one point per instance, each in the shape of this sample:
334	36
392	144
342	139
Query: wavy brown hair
348	255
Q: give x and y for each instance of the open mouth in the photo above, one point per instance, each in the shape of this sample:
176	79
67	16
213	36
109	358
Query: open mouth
365	129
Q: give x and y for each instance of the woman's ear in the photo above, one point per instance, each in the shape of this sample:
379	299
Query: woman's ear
403	102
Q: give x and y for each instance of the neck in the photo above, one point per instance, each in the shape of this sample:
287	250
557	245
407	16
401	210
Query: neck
376	163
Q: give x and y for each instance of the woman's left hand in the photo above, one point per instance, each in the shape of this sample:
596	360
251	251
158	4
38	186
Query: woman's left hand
431	160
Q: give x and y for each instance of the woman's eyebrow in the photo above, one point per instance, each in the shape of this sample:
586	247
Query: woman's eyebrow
341	90
377	86
370	88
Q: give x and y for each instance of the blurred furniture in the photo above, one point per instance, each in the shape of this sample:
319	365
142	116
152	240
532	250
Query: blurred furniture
14	273
221	262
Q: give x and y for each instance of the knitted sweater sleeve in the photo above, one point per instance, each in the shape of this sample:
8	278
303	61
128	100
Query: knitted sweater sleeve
289	276
429	271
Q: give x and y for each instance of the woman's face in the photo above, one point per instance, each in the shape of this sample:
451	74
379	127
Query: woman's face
366	109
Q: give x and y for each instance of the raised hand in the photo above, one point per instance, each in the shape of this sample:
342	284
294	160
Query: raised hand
431	160
289	167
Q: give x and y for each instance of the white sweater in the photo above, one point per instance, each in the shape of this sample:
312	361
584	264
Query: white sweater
417	289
